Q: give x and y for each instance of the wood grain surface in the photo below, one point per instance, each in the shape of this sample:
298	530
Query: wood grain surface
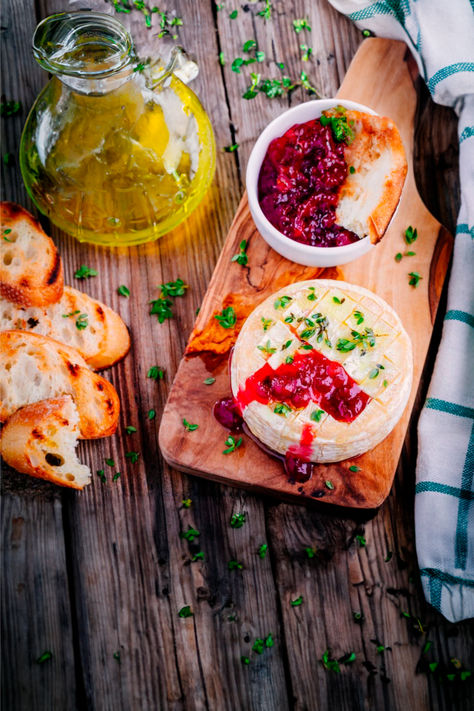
379	77
104	572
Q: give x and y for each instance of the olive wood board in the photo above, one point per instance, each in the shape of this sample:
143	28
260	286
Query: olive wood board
380	76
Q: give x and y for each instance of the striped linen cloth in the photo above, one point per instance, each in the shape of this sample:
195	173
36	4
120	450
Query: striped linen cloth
440	33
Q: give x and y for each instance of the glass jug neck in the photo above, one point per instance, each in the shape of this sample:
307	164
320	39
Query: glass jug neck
90	52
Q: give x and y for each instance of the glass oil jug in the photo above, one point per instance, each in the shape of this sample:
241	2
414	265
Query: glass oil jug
114	151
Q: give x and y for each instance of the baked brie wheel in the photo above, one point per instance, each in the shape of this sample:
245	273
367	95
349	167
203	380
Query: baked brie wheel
322	370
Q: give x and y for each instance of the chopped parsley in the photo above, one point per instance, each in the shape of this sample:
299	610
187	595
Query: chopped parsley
266	323
130	429
282	302
316	415
411	235
133	456
84	272
281	409
185	612
249	45
262	550
231	444
188	426
190	534
234	565
241	258
237	520
123	291
173	288
244	660
221	59
227	317
267	348
414	278
297	602
161	308
258	646
209	381
156	373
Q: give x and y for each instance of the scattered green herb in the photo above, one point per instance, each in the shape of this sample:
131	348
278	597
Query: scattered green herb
123	291
44	657
84	272
116	656
361	540
186	503
188	426
173	288
341	128
245	660
359	317
352	170
227	318
367	33
133	456
151	414
316	415
116	476
388	557
197	556
354	468
262	550
328	663
266	13
287	344
258	646
297	602
301	24
398	257
282	302
190	534
311	296
7	239
231	444
110	462
82	322
156	373
234	565
357	617
375	371
161	308
249	45
281	409
329	484
410	254
185	612
337	300
233	14
307	52
221	59
411	235
7	159
241	258
310	552
363	340
130	429
237	520
414	278
101	475
385	383
230	149
209	381
10	108
289	359
267	322
73	313
267	348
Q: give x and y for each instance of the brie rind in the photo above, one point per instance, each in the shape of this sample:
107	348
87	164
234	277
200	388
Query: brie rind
264	338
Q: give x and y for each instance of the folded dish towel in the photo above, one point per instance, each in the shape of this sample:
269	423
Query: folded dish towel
440	35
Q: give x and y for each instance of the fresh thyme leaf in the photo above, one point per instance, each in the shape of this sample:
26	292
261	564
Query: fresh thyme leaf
209	381
301	24
385	383
190	534
185	612
237	520
375	371
186	503
398	257
249	45
310	552
221	59
329	484
133	456
307	52
262	550
245	660
130	429
281	409
308	333
347	658
44	657
73	313
364	340
156	373
173	288
306	84
241	258
267	348
266	322
10	108
410	254
258	646
198	556
236	64
306	346
82	322
337	121
234	565
187	425
266	13
287	344
110	462
311	296
337	300
116	656
269	641
353	468
101	475
297	602
289	359
161	308
328	663
388	557
316	415
358	617
116	476
230	149
123	291
414	278
411	235
352	170
359	317
227	318
231	444
233	14
282	302
151	414
361	540
84	272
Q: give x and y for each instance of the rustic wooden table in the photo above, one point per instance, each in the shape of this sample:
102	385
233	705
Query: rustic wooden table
97	578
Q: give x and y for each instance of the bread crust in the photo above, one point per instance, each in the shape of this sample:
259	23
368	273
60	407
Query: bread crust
58	370
31	433
24	280
377	147
333	440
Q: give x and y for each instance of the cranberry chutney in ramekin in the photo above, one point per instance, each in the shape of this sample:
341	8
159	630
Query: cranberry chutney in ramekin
292	197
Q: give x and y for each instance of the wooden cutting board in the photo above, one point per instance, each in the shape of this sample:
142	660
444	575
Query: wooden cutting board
380	76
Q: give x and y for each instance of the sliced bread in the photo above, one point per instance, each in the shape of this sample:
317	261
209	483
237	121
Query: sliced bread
31	272
40	440
35	368
92	328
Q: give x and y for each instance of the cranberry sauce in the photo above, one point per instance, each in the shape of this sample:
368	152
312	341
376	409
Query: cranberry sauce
227	413
299	183
311	377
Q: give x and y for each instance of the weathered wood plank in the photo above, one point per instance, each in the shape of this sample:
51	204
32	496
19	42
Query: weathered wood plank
35	601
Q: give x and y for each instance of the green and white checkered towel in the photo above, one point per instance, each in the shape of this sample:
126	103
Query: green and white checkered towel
440	33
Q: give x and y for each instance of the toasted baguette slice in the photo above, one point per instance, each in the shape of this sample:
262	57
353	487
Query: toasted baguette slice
34	368
371	192
104	340
31	272
40	440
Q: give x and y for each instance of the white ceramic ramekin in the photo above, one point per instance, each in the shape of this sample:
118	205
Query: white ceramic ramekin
295	251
